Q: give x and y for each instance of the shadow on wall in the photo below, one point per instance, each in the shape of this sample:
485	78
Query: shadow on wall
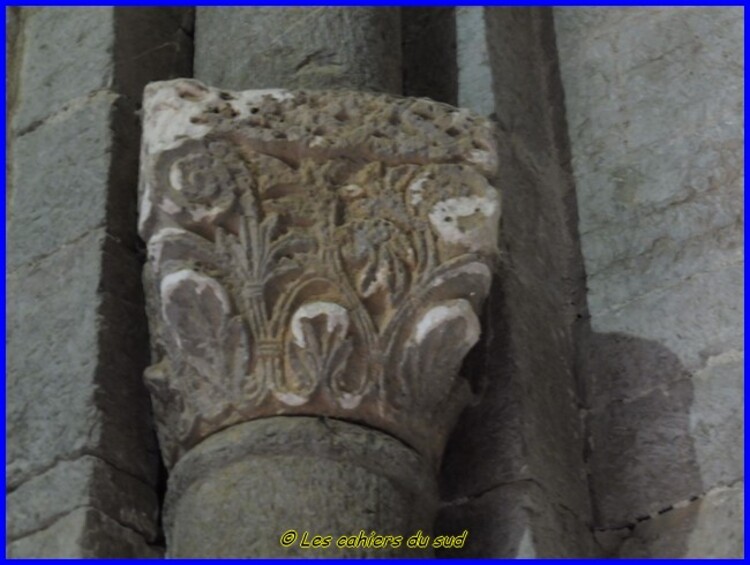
641	456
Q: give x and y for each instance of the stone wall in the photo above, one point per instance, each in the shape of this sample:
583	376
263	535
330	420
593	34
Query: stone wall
654	106
82	467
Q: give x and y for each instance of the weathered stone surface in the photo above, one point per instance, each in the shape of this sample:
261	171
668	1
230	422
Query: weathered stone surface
712	526
85	532
13	47
516	520
84	482
237	492
656	450
68	55
521	429
697	230
316	47
643	457
57	352
57	203
623	66
527	426
74	53
659	182
698	318
474	71
77	336
339	245
717	419
87	116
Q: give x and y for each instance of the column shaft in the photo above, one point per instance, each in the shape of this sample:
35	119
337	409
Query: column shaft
315	47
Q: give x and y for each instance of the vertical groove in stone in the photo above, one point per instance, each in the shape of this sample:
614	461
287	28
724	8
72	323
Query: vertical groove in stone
150	44
428	39
312	48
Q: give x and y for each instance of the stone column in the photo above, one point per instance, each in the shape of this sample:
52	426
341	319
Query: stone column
310	47
321	255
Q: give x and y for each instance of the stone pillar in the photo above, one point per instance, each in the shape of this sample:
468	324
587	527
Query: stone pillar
514	470
82	466
311	254
313	47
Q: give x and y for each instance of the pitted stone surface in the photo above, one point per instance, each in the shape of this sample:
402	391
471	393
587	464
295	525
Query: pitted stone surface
319	253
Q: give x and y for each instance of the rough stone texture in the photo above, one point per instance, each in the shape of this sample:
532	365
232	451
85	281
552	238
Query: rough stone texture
236	493
517	520
242	195
61	357
68	55
72	53
85	532
474	70
659	180
527	428
61	200
84	482
315	47
680	438
77	336
712	525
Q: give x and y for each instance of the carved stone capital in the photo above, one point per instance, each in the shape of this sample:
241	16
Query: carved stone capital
312	253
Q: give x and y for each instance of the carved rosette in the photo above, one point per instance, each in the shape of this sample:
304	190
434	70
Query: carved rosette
316	253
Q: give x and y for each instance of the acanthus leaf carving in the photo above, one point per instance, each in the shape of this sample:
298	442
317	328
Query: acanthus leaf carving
311	254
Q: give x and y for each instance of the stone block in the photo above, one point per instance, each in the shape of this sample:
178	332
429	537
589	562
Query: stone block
695	319
515	520
320	47
717	419
680	439
627	190
474	71
67	56
617	74
643	458
60	179
527	425
656	149
709	527
87	533
84	482
71	54
575	23
59	377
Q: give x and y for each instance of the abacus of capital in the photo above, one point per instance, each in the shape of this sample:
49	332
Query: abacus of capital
316	262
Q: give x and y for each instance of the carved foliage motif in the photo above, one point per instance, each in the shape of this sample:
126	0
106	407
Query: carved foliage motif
286	280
